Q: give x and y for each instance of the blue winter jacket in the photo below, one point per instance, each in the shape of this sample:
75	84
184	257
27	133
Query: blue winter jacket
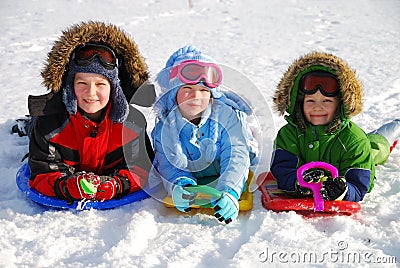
216	148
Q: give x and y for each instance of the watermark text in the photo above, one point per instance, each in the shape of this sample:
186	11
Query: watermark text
340	255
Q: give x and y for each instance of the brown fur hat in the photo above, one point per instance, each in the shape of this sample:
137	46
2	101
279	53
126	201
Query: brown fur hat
351	90
133	71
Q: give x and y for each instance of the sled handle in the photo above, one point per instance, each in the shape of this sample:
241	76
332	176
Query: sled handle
88	187
316	186
206	190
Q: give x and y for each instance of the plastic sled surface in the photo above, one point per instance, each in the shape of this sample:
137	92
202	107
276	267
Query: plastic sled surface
277	200
22	180
205	193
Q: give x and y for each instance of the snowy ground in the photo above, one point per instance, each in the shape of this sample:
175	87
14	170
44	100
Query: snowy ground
260	39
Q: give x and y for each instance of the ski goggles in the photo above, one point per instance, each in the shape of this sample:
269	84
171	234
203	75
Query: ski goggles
86	54
193	71
325	82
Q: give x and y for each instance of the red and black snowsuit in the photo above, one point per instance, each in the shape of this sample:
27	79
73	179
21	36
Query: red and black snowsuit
62	144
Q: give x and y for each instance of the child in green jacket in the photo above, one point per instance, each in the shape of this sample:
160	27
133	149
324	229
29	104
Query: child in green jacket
319	94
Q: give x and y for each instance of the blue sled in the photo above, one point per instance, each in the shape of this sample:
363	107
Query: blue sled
22	179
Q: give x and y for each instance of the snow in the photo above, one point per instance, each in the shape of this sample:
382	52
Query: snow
259	39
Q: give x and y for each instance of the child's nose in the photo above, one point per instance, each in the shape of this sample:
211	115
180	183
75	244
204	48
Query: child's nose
195	94
319	104
92	89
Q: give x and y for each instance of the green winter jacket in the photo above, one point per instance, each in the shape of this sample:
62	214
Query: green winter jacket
341	143
348	149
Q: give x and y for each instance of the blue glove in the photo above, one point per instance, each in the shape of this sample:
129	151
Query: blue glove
182	198
227	207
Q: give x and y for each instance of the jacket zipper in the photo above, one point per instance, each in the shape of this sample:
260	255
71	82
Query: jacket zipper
198	135
315	132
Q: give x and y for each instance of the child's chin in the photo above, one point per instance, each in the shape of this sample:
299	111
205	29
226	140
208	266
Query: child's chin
91	111
321	124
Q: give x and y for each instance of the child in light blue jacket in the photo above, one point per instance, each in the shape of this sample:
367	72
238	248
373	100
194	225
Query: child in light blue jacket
200	136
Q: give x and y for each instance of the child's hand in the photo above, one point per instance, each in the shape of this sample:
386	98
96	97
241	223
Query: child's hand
72	187
314	175
302	191
108	188
182	198
227	207
334	189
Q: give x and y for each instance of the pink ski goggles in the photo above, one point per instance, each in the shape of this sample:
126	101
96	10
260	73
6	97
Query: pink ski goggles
193	71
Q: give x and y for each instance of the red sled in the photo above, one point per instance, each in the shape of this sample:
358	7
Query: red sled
276	200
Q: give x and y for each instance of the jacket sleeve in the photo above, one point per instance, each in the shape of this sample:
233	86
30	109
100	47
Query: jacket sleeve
137	154
356	166
44	159
357	184
235	154
285	159
284	169
164	167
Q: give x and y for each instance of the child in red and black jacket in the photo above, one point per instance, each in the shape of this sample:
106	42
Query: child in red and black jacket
84	129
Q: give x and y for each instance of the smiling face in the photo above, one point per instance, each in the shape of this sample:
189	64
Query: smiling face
92	93
193	100
319	109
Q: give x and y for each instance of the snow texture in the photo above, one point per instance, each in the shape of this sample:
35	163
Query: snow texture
258	39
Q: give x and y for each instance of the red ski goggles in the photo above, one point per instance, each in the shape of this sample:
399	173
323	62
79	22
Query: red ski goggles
193	71
323	81
86	54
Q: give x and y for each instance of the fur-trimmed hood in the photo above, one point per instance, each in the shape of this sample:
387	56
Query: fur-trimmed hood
133	71
351	90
